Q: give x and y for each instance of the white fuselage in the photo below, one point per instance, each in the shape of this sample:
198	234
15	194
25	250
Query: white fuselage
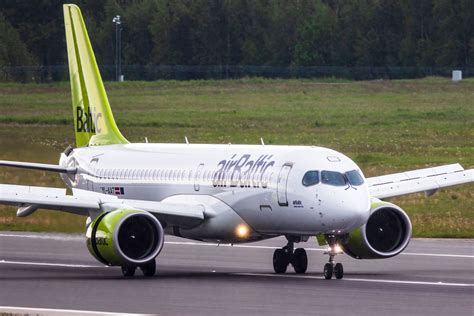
261	185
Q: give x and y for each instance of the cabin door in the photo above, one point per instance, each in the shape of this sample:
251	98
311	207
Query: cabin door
282	185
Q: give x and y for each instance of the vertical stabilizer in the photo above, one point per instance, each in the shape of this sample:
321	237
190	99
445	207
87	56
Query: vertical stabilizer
94	123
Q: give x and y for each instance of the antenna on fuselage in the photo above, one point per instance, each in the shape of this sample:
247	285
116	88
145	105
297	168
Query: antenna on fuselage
186	140
146	139
261	141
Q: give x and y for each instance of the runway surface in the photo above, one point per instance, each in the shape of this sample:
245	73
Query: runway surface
52	271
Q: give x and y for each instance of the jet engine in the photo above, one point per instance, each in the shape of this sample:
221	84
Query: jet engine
386	233
125	237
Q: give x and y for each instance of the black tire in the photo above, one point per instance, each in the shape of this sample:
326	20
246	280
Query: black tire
280	261
338	271
149	268
128	271
300	260
328	271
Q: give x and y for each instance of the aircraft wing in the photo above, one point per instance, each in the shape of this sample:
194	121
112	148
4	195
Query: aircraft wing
29	198
427	180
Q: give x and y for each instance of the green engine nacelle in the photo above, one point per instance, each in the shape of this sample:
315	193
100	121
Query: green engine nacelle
386	233
125	237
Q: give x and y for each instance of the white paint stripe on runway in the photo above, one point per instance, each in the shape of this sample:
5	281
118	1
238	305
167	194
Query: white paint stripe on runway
259	274
435	255
357	280
53	311
191	243
47	237
47	264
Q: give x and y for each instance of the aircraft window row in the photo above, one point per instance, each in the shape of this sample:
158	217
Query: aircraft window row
145	174
334	178
174	175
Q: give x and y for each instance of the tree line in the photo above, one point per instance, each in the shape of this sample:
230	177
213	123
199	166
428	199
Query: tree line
248	32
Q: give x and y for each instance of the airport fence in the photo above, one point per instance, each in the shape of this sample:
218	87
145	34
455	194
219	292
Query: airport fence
185	72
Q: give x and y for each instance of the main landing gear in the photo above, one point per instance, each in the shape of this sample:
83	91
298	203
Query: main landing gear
148	269
288	255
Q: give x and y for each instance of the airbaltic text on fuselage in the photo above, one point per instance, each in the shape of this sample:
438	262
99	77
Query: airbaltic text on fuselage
243	171
87	121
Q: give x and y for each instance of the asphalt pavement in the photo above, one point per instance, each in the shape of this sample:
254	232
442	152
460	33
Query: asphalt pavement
54	274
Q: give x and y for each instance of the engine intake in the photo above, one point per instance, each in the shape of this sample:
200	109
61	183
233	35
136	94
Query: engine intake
386	233
125	237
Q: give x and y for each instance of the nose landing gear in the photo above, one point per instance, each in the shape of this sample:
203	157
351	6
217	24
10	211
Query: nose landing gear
287	255
332	268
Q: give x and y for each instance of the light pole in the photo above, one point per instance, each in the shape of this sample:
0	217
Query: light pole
118	47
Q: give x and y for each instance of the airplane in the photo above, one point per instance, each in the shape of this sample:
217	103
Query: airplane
133	194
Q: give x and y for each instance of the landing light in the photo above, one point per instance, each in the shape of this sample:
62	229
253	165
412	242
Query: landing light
335	249
242	231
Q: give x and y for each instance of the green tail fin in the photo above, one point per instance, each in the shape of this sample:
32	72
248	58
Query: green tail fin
93	120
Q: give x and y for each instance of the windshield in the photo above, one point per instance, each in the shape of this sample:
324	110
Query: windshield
311	178
333	178
354	178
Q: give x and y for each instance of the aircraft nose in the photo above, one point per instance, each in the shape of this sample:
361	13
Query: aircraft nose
356	209
361	209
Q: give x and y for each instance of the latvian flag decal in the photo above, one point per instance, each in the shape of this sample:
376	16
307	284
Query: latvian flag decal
118	190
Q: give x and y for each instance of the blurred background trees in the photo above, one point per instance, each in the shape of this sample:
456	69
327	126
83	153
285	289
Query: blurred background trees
248	32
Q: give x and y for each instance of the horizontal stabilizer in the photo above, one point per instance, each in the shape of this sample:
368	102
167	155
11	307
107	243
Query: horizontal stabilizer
38	166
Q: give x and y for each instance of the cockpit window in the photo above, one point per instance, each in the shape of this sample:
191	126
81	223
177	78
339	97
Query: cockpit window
354	177
311	178
333	178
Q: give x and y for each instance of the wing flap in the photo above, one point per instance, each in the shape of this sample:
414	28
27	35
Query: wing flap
426	180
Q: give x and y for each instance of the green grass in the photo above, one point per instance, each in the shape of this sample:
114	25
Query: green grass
385	126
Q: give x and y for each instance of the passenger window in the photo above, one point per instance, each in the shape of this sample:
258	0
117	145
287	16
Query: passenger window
311	178
333	178
354	177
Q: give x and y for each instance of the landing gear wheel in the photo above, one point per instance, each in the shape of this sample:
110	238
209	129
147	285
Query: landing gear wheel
280	261
328	271
338	271
128	271
149	268
300	260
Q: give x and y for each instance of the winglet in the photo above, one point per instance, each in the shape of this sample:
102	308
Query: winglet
93	120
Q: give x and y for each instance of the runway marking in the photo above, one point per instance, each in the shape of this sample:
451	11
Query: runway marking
53	311
357	280
256	274
47	264
47	237
191	243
